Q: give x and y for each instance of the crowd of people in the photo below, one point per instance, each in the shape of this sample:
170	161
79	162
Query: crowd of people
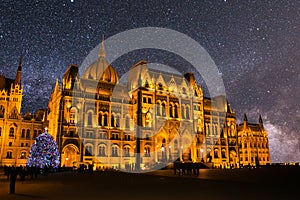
12	173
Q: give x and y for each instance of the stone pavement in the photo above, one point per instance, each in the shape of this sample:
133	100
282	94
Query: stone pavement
161	184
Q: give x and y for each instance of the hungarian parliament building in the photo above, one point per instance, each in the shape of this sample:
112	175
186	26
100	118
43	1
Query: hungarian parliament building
152	118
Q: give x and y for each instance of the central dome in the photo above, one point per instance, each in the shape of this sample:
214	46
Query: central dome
101	70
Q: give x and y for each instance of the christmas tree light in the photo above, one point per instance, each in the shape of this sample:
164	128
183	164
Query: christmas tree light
44	152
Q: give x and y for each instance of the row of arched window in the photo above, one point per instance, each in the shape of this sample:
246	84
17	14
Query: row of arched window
23	155
24	133
103	120
102	151
173	110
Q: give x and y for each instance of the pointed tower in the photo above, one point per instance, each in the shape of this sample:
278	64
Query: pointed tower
245	121
16	93
19	71
260	122
102	50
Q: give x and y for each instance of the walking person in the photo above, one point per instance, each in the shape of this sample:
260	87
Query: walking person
22	174
12	180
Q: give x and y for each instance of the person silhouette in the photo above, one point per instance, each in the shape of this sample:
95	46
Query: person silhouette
12	180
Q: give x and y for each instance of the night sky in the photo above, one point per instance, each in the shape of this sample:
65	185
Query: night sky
255	45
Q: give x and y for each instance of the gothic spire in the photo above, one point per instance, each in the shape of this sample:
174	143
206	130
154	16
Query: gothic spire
260	120
102	50
245	118
19	72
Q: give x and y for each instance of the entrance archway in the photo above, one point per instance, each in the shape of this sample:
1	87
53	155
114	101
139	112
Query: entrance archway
70	154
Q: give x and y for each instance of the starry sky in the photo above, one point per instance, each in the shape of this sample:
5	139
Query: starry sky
255	45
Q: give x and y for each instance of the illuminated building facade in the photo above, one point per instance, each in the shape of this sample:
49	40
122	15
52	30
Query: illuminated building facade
94	119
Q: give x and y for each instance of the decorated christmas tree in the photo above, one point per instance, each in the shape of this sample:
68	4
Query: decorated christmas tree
44	152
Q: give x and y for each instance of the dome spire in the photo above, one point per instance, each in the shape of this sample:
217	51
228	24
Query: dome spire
102	51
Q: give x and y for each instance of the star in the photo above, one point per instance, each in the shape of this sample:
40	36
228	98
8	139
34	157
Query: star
254	46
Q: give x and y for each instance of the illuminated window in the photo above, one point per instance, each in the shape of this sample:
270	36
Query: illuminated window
216	153
223	153
23	155
101	150
102	135
148	120
114	151
126	151
117	121
163	110
11	132
9	154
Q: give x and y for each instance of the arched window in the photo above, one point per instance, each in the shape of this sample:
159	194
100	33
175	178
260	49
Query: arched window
0	131
90	119
183	90
23	133
171	110
176	111
187	112
216	153
126	151
112	121
182	112
9	154
27	133
102	135
23	155
114	151
11	132
127	137
101	150
158	108
34	134
105	120
163	109
88	150
100	119
223	153
117	121
127	122
147	151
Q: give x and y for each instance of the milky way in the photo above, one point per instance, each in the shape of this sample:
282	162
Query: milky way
255	45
